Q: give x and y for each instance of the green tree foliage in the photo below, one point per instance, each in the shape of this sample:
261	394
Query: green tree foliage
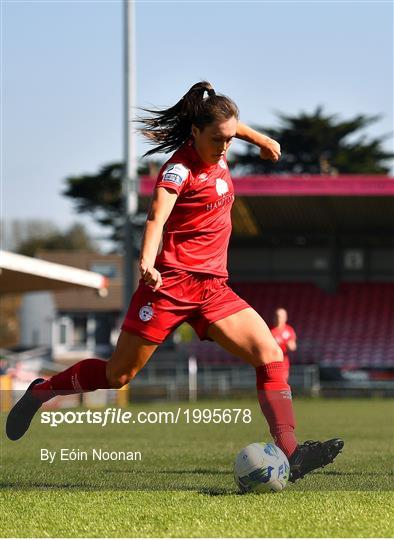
73	239
318	143
100	195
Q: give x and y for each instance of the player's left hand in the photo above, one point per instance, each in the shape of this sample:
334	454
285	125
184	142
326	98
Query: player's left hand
270	150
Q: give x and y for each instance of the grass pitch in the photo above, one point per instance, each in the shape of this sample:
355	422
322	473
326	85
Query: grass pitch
183	486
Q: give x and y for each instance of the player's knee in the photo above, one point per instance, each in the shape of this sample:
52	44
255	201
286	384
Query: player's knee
266	355
119	379
275	354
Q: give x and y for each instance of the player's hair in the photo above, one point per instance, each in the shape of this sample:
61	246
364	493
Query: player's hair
169	128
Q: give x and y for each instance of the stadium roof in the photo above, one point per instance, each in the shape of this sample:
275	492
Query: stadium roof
293	186
319	205
319	215
20	274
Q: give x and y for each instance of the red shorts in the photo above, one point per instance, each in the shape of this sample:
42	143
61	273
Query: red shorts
199	299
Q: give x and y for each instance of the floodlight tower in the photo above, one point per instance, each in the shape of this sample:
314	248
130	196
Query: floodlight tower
130	183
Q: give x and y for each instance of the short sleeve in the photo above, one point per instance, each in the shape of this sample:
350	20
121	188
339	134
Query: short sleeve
174	176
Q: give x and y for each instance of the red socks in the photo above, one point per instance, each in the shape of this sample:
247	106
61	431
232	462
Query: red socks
273	392
84	376
276	403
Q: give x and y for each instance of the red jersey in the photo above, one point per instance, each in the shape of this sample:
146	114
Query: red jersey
197	232
283	335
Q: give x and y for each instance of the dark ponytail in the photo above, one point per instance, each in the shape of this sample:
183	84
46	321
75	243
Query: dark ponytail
169	128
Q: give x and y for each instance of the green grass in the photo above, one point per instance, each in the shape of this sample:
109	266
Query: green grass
184	485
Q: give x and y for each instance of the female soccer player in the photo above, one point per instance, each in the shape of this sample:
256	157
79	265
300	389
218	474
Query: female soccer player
285	337
187	280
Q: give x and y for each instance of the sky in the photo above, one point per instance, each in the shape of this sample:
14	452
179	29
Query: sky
62	77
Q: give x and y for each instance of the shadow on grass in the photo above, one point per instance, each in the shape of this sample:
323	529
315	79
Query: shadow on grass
170	471
25	486
40	486
146	480
338	473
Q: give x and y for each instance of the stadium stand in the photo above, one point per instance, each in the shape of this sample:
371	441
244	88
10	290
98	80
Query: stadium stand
323	248
353	328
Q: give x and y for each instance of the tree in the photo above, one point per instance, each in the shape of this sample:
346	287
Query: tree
15	231
318	143
73	239
100	195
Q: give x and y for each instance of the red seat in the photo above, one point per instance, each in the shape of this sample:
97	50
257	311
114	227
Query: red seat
353	327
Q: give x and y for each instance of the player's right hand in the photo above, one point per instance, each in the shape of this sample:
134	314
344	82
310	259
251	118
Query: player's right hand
151	276
270	150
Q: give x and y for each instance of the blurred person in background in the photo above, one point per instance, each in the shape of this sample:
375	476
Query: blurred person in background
285	337
187	280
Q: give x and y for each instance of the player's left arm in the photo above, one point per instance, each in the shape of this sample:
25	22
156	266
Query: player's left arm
269	148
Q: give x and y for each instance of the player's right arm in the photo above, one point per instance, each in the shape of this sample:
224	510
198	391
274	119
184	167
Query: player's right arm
269	148
161	206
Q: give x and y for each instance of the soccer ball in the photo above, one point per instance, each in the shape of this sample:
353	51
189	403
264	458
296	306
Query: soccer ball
261	467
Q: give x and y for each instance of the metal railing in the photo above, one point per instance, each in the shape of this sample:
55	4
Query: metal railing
172	381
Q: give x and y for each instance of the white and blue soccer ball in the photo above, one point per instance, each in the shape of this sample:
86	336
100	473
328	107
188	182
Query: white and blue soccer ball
261	467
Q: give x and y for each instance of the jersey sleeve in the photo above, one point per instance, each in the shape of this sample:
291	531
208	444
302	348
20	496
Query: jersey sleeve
174	176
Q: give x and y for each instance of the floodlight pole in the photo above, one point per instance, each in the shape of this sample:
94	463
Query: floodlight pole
130	183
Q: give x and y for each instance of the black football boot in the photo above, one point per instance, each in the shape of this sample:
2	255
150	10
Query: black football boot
311	455
21	414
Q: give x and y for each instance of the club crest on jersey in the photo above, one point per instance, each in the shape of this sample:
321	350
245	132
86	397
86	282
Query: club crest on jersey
146	313
175	173
221	186
203	177
222	164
